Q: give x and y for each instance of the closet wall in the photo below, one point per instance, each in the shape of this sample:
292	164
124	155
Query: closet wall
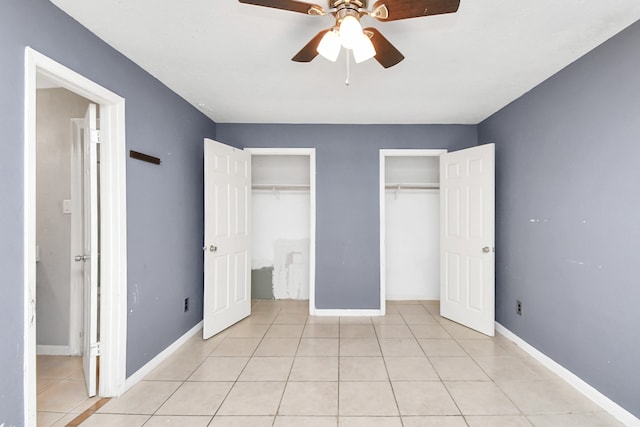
281	224
412	227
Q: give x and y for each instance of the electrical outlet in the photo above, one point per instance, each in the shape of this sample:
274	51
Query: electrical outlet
519	307
186	304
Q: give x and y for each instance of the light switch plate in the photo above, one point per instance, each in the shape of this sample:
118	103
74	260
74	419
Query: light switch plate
66	206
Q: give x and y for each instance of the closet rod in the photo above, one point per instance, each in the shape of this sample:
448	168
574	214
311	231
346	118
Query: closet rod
412	186
280	187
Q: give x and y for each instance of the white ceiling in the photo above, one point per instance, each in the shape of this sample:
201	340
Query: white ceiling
232	60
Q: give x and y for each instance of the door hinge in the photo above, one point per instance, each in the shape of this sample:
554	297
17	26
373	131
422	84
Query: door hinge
96	136
94	350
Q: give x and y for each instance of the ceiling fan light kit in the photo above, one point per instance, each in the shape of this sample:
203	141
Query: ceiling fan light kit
347	31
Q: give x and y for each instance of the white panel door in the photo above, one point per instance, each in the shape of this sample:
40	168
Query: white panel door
467	237
227	236
90	246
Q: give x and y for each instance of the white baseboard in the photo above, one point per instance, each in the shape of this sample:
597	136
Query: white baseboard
53	350
161	357
423	297
573	380
346	312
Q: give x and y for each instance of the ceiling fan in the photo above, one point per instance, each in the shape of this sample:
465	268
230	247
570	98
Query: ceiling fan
348	33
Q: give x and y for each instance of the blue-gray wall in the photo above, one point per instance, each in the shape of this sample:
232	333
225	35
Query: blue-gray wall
347	199
165	205
568	217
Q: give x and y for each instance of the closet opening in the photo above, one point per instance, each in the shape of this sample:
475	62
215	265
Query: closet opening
409	225
283	224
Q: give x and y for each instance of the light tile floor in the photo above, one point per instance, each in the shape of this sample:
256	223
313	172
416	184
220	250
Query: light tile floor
411	368
61	390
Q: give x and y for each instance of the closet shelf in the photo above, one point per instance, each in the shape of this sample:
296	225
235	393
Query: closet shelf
413	186
280	187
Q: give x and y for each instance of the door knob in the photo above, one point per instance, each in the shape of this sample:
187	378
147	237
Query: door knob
79	258
486	249
213	248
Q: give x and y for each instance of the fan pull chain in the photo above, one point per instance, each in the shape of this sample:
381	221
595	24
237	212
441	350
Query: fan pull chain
348	52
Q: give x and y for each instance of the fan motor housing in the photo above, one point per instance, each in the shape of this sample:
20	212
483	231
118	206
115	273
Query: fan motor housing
347	7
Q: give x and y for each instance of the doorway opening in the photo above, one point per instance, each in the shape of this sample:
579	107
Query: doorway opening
409	225
283	224
112	211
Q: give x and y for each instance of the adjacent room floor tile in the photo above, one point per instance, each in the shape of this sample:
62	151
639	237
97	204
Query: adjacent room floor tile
588	419
285	331
359	347
178	421
543	397
267	369
318	347
400	347
219	369
393	331
120	420
458	369
62	396
441	347
367	399
480	398
363	369
410	369
241	421
320	330
302	421
369	422
236	347
424	398
310	398
498	421
143	398
357	331
196	398
253	398
175	368
248	330
434	421
434	331
277	347
314	369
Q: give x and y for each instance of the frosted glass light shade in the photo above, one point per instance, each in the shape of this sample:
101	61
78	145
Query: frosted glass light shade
364	49
329	46
350	32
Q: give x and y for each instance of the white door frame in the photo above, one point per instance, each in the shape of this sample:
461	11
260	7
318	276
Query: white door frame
384	153
311	152
113	247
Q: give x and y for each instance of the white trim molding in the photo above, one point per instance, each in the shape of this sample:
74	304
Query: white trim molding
347	312
572	379
113	226
53	350
384	153
138	375
311	152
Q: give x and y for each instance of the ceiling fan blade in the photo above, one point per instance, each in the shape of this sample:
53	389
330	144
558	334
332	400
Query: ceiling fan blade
386	53
293	6
404	9
310	50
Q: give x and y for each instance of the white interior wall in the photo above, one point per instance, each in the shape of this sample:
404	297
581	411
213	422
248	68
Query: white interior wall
55	109
281	223
413	244
412	224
